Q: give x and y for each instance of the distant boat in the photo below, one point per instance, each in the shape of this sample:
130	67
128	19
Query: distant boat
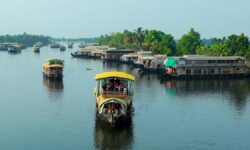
62	48
70	45
53	68
14	49
36	48
54	45
82	45
39	44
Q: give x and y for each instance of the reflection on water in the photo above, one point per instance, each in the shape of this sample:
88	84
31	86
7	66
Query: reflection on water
120	137
236	91
54	86
114	66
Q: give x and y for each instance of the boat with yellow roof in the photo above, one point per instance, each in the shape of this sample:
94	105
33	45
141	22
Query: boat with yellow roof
53	68
114	94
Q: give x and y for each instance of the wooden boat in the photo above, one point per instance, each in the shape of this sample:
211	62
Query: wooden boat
53	68
130	58
201	66
39	44
114	93
36	48
14	49
82	53
54	45
62	48
82	45
70	45
144	59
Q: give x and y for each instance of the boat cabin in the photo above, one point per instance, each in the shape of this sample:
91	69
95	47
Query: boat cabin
145	59
115	54
199	65
53	68
114	93
130	58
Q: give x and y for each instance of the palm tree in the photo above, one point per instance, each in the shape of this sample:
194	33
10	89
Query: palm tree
139	37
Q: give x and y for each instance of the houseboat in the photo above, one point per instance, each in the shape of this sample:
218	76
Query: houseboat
14	49
36	48
155	64
114	93
130	58
144	60
54	45
39	44
96	53
53	68
82	53
205	66
113	54
62	48
70	45
82	45
3	47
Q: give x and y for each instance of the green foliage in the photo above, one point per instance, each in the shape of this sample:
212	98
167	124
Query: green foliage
86	40
150	40
161	43
230	46
25	38
189	42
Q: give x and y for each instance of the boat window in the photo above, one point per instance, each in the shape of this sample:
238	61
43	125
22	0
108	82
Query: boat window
114	86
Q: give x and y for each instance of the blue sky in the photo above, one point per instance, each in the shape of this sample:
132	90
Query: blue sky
91	18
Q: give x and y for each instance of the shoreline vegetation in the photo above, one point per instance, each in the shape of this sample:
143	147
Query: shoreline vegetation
189	44
27	39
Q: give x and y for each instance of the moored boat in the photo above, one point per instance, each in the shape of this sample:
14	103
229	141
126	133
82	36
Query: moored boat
39	44
14	49
53	68
36	49
54	45
70	45
114	93
82	45
130	58
62	48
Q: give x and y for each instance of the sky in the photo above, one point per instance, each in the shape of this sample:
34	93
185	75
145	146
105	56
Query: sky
91	18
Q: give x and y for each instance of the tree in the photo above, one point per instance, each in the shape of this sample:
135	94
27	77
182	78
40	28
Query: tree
189	42
139	37
237	45
159	42
128	39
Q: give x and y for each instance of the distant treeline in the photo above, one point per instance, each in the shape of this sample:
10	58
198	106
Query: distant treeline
86	40
25	38
190	43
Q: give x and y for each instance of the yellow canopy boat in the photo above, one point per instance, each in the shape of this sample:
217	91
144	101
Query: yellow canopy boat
53	68
114	93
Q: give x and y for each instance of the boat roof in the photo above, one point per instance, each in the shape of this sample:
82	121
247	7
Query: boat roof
114	74
53	65
204	57
54	59
131	55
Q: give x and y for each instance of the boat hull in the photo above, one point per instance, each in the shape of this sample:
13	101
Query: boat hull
53	75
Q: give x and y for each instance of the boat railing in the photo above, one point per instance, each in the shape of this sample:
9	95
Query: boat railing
118	92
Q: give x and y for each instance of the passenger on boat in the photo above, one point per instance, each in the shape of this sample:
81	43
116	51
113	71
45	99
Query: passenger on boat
113	86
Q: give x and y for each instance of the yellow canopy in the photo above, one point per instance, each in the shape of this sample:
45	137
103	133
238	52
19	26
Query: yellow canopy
114	74
54	59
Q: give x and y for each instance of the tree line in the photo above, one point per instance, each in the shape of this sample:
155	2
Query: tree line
25	38
190	43
86	40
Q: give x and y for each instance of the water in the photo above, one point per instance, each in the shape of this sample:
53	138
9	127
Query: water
36	113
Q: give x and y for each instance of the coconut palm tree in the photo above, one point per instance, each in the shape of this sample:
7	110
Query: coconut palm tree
139	37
